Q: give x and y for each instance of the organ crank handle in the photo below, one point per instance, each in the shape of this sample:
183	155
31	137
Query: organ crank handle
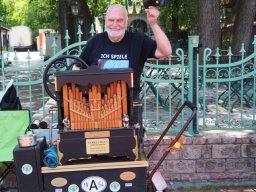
62	63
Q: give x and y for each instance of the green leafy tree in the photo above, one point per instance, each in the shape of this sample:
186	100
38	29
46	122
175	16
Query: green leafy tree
2	10
14	12
41	15
33	13
179	15
98	8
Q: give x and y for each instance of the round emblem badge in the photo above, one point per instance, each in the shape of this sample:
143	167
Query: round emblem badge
73	188
26	169
94	184
114	186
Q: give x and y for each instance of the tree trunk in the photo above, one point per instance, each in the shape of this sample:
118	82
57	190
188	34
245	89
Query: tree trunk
209	23
243	26
62	8
71	25
235	4
175	22
88	20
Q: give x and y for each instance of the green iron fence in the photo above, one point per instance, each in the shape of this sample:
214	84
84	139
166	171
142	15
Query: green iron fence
27	76
230	105
223	89
224	86
28	73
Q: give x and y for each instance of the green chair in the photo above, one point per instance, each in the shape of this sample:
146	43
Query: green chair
12	124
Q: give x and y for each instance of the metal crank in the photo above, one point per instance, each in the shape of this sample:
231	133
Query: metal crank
62	63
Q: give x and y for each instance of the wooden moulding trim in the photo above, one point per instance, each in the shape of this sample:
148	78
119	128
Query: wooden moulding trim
95	166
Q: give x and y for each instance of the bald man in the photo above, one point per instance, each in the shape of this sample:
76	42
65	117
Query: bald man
118	48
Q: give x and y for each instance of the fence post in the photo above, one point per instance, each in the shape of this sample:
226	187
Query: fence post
92	32
2	70
193	42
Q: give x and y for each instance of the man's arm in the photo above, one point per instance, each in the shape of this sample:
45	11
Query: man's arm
163	44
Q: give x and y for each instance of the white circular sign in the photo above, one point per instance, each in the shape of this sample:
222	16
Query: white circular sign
26	169
114	186
93	184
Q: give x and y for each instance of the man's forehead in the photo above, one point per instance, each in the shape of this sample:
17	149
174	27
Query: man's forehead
116	11
116	15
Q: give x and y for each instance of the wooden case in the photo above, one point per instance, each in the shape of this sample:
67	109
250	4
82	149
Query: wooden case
78	145
128	176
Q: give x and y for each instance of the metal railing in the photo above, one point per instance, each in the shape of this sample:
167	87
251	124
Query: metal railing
224	91
231	105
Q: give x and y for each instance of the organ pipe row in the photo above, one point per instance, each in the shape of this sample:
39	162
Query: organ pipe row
98	110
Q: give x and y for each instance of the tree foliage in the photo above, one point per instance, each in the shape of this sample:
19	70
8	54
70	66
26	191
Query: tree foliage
36	14
184	10
176	16
14	12
41	15
3	11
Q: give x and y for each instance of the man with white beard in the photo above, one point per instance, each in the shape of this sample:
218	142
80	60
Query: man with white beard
118	48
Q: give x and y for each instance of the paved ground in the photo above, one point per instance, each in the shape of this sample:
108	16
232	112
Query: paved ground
23	91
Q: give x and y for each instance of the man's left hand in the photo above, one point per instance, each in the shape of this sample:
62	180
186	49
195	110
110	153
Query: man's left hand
152	15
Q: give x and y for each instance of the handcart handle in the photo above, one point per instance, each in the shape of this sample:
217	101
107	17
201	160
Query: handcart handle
192	116
186	103
190	105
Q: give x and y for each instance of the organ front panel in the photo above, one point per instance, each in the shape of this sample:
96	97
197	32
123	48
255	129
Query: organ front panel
96	114
94	98
98	110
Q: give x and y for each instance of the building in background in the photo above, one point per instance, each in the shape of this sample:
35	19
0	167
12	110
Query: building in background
20	38
48	40
4	38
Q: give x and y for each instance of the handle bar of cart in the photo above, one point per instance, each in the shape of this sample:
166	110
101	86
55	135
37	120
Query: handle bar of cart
173	141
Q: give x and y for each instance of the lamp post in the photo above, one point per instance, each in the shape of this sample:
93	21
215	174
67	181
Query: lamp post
222	23
80	19
75	10
74	7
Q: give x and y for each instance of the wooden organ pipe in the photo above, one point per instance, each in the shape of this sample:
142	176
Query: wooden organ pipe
124	98
98	112
65	101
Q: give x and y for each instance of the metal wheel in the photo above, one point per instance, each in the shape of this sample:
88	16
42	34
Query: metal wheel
62	63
